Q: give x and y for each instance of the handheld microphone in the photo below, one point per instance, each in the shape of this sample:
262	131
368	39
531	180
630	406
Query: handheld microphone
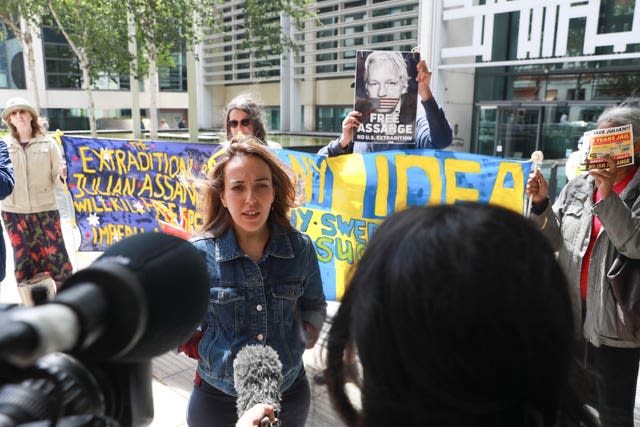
257	377
142	297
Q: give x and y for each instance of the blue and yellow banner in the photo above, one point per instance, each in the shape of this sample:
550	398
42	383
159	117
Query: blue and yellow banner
127	187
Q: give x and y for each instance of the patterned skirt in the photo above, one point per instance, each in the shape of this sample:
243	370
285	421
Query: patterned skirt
38	245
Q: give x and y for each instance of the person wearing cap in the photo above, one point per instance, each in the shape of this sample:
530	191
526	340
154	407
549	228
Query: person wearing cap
30	214
432	127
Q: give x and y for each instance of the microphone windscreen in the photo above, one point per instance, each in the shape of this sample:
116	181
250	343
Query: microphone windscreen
257	377
157	289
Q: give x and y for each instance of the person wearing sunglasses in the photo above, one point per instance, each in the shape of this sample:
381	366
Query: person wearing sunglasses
245	116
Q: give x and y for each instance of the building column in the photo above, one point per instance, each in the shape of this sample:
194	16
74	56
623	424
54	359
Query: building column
429	27
41	78
204	102
290	106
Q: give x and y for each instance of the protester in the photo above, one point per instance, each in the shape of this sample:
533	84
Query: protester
265	283
7	183
245	116
595	215
432	128
466	322
30	214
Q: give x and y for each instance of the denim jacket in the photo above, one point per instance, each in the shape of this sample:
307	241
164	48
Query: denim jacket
263	302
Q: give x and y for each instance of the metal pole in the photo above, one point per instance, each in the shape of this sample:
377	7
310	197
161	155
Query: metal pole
285	80
135	86
192	95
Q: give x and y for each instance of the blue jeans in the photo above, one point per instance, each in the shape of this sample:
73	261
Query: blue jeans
210	407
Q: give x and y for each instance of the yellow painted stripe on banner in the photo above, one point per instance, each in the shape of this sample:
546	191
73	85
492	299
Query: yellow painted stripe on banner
349	184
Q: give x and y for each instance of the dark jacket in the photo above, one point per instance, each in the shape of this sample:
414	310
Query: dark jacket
7	181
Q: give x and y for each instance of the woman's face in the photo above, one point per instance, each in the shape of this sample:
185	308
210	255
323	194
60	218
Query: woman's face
20	118
240	122
248	193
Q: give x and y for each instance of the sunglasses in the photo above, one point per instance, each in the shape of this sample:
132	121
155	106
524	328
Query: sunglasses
243	122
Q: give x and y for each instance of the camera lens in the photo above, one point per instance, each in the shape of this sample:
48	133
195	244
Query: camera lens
57	385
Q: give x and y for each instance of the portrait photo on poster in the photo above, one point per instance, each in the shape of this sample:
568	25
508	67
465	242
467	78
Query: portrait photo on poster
386	93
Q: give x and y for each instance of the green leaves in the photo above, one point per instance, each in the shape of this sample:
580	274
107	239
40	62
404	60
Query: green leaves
263	25
97	32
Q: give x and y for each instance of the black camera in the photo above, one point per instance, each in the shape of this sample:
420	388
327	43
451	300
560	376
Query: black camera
84	358
64	390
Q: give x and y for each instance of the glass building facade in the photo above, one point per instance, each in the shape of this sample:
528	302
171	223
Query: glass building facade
511	104
522	108
12	75
62	72
328	51
541	73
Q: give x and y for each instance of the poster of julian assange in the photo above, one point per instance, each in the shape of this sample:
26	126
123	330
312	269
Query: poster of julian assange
386	95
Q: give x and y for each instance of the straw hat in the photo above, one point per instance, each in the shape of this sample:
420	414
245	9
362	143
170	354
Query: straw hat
17	103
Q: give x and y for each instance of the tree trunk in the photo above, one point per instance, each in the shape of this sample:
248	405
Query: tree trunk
27	47
133	78
22	32
84	66
86	82
153	96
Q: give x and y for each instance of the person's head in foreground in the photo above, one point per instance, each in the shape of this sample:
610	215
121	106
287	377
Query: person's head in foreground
460	316
246	116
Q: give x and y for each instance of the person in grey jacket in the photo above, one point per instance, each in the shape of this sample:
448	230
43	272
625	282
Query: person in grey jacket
30	214
596	215
432	128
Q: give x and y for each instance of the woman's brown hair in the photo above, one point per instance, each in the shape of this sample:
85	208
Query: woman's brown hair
216	217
